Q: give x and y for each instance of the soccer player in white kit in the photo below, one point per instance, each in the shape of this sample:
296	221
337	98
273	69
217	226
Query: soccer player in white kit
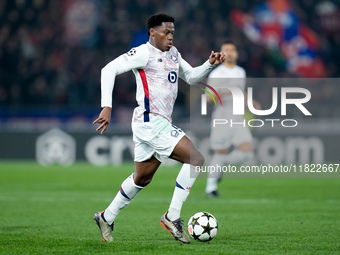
156	66
222	137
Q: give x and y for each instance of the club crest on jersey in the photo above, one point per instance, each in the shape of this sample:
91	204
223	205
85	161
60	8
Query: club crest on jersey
131	52
174	58
174	133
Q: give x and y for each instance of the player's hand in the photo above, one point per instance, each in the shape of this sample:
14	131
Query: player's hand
104	119
216	58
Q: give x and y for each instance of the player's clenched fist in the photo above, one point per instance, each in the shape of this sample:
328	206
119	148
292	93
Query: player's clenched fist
216	58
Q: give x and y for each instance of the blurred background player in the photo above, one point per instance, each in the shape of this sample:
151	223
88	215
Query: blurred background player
157	65
225	137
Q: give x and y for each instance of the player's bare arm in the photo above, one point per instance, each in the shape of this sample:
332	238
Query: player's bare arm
103	119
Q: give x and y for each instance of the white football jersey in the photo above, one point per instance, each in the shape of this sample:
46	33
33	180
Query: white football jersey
156	75
221	76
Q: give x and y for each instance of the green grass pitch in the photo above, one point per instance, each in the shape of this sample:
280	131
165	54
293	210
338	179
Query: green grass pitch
49	210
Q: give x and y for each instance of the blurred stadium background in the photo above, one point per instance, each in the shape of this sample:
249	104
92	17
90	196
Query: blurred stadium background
51	54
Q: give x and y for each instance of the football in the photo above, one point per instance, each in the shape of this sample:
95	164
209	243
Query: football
202	226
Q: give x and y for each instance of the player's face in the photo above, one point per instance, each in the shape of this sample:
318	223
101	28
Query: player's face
230	53
162	37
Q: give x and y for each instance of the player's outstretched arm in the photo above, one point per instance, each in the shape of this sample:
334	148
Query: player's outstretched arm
135	58
103	119
191	75
216	58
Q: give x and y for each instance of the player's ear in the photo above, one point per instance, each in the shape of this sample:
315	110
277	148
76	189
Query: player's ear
152	31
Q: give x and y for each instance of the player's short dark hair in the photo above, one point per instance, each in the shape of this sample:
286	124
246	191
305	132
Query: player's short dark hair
229	42
157	19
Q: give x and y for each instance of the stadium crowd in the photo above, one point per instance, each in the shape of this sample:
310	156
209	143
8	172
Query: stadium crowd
51	52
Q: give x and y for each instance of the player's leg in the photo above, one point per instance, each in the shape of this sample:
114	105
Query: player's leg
242	139
214	177
145	167
186	153
145	171
130	187
242	153
220	142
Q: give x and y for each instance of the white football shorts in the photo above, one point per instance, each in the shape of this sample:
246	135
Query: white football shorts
155	138
223	136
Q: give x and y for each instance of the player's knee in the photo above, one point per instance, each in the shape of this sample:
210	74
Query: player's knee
198	160
142	180
201	160
146	181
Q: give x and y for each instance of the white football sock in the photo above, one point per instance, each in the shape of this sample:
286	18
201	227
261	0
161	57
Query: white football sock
128	190
184	182
212	178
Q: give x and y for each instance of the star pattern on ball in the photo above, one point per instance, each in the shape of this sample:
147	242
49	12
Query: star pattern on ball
208	215
194	221
196	237
202	226
207	228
